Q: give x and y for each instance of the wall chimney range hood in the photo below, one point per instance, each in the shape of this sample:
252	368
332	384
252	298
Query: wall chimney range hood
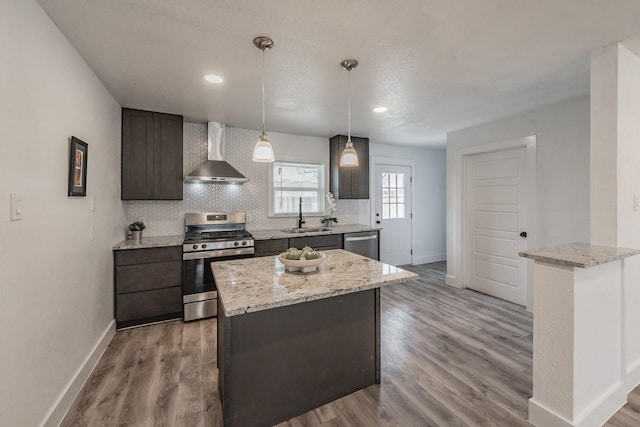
215	169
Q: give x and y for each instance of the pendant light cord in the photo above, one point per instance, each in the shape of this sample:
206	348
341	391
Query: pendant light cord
349	97
263	112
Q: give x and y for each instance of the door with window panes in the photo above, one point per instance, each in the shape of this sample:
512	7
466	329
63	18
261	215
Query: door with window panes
393	211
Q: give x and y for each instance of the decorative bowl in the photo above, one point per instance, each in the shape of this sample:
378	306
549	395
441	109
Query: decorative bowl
303	265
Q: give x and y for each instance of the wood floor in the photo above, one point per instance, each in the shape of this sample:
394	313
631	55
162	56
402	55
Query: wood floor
450	357
159	375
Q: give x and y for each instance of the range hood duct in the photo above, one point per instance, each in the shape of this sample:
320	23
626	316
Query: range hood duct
215	169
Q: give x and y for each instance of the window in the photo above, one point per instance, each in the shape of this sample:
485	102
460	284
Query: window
291	181
392	195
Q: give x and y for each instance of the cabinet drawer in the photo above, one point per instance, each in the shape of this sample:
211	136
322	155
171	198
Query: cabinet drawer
144	277
148	304
271	247
142	256
331	241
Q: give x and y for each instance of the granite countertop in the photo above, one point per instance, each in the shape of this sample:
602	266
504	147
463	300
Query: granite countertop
161	241
255	284
336	229
150	242
582	255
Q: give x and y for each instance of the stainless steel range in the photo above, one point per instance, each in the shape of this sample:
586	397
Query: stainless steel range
209	237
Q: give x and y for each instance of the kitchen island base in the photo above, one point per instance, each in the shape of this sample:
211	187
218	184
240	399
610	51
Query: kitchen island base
279	363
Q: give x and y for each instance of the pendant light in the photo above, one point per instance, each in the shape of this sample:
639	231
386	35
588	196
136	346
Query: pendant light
263	151
349	157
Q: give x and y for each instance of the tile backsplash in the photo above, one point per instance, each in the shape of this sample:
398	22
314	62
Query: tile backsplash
167	217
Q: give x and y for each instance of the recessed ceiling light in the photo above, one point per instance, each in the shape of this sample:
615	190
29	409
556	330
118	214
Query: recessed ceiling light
380	110
212	78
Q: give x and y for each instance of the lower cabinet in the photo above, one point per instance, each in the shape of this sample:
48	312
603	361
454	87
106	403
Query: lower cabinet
319	243
148	285
277	246
271	247
143	307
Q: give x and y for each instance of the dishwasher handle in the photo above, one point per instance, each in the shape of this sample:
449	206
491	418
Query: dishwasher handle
358	239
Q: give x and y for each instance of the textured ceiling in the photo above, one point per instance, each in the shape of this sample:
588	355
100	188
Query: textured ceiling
439	65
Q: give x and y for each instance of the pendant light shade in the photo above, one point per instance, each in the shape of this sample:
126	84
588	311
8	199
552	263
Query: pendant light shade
263	151
349	156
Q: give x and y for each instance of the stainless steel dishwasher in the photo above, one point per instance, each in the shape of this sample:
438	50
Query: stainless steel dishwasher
365	243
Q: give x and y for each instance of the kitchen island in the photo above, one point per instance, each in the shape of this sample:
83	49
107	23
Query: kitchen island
290	342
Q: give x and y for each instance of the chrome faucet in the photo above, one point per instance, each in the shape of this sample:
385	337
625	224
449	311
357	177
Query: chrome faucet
300	219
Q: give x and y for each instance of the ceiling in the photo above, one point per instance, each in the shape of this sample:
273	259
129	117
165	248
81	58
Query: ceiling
438	65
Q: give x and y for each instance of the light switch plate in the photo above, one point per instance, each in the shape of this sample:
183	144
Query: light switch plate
16	206
92	204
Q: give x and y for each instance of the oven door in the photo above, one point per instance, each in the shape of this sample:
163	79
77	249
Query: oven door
199	293
197	277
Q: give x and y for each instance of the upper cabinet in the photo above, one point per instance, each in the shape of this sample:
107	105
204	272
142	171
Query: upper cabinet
151	155
349	182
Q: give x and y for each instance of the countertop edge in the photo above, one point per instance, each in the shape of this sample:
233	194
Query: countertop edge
581	255
338	229
338	292
149	242
177	240
256	284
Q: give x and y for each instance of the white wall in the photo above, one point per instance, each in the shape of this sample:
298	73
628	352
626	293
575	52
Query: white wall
56	285
615	174
167	217
429	218
628	215
562	135
615	157
628	152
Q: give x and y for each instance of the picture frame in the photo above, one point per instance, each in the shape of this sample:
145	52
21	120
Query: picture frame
78	154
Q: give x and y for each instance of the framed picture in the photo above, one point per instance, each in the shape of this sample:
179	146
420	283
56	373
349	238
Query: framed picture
78	167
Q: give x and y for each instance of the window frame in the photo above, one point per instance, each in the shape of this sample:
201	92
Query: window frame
321	190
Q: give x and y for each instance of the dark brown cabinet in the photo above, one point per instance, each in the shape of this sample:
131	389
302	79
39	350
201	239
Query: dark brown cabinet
148	285
151	155
349	182
271	247
319	243
277	246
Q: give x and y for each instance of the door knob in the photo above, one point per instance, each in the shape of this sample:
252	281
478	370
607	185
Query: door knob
523	234
377	222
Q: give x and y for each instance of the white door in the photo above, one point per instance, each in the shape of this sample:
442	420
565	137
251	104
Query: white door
495	217
393	211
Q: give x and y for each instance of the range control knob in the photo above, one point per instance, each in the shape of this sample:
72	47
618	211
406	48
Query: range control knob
195	246
236	243
244	243
204	246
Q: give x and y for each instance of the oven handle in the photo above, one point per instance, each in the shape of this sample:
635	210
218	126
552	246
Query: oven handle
218	253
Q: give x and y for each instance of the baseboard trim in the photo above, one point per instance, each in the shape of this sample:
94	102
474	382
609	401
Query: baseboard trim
595	415
603	408
427	259
541	416
452	281
60	408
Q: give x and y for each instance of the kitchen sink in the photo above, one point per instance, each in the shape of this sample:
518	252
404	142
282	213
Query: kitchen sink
306	229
